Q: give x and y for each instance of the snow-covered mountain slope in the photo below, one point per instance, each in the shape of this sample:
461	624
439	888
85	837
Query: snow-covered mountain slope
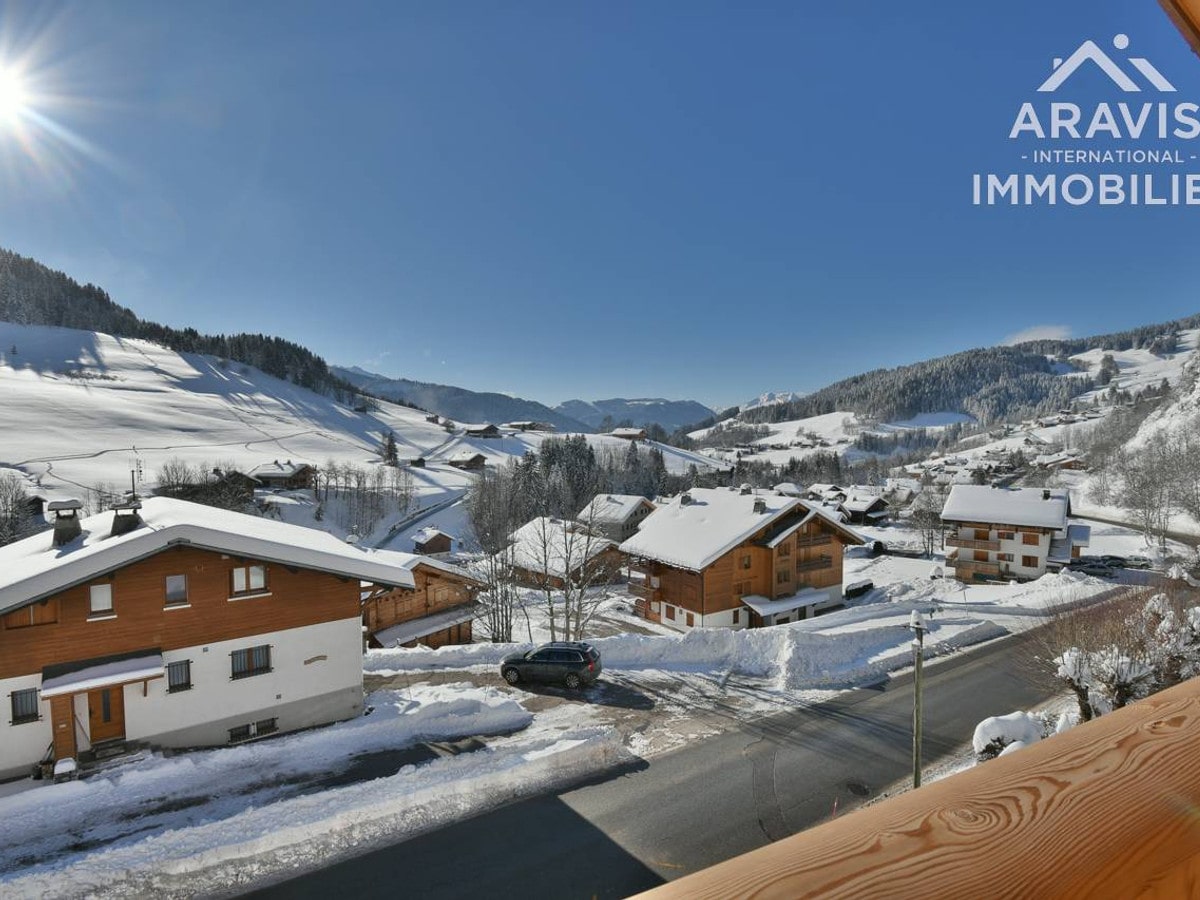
79	409
770	398
670	414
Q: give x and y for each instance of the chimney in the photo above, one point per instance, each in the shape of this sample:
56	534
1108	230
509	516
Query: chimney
685	498
66	520
126	517
1045	493
760	505
745	489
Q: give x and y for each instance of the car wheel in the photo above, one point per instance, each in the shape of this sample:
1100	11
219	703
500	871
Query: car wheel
572	681
512	676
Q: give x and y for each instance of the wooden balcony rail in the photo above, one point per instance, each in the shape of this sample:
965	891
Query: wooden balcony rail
973	565
823	562
816	540
972	544
1110	808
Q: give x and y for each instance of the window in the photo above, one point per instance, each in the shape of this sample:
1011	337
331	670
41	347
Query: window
670	612
1005	557
1031	538
25	706
691	620
746	561
179	676
251	661
249	579
253	729
100	599
783	576
1029	562
176	588
981	534
736	616
1007	536
785	549
741	588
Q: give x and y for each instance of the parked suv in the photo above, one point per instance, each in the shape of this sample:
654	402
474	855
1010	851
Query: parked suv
572	663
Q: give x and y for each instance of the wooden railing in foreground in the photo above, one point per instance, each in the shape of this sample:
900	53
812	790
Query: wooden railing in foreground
1108	809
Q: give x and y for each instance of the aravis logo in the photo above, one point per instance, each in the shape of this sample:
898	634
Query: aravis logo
1089	52
1063	142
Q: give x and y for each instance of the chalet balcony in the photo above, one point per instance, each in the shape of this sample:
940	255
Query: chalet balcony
812	565
972	566
644	586
971	544
816	540
1105	809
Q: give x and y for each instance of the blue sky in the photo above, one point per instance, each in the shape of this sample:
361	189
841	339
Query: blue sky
557	200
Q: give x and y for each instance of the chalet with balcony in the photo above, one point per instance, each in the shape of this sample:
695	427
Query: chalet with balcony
616	516
486	430
435	610
629	434
1007	533
730	558
177	625
864	509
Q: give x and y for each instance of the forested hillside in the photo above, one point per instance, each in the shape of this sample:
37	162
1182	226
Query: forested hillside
32	294
991	383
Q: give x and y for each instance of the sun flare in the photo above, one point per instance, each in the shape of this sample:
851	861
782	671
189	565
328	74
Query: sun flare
13	96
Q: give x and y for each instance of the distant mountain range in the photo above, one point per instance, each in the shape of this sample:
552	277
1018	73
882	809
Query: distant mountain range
457	403
770	398
463	405
670	414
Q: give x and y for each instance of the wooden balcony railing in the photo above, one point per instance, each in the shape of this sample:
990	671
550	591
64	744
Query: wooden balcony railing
973	565
816	540
972	544
822	562
1110	808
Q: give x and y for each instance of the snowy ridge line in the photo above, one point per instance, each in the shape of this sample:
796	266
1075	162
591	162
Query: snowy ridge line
287	838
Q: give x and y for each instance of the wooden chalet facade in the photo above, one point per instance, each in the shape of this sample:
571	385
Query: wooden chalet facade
1009	533
287	475
547	553
726	558
437	610
482	431
616	516
176	625
467	460
430	540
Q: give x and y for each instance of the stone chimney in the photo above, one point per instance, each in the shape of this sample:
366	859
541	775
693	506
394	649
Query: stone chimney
685	498
760	505
1045	493
126	517
66	520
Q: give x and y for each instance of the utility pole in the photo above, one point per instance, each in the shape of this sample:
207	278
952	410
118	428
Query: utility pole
917	625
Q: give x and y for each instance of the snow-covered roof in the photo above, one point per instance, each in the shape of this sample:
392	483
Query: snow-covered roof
857	504
277	469
466	456
788	489
831	517
415	629
765	606
1035	507
120	671
34	568
694	535
429	533
612	508
554	546
627	432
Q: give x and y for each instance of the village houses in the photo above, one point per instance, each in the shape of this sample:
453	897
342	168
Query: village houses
616	516
733	558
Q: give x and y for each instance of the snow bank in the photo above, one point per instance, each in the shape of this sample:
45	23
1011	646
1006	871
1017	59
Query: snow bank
1017	727
796	656
297	833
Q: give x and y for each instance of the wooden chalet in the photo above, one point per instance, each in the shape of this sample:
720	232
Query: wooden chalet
286	475
730	558
435	611
482	431
413	462
467	459
864	510
549	552
1007	533
173	624
616	516
629	434
431	540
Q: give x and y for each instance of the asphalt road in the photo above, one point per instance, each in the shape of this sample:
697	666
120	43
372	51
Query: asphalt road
701	804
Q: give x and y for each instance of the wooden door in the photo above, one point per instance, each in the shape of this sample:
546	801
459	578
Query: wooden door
106	714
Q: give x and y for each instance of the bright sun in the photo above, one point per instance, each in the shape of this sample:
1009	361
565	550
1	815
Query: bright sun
12	95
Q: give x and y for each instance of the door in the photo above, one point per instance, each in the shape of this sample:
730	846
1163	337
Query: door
106	714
